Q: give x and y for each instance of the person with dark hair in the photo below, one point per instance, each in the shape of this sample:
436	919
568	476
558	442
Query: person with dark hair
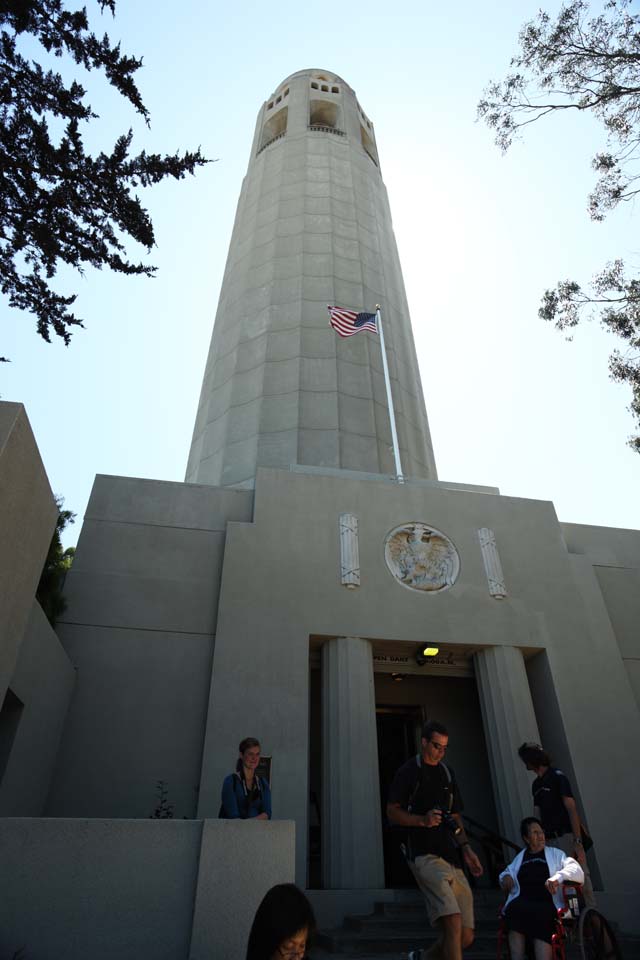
532	755
554	804
532	881
245	795
283	925
424	797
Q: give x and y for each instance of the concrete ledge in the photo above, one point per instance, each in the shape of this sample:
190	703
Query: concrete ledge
390	478
137	889
239	862
332	906
98	889
166	503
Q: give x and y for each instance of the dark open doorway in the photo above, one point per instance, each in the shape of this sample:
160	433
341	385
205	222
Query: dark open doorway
398	738
401	708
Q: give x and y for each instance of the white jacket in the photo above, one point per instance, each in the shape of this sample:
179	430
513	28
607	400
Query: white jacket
562	868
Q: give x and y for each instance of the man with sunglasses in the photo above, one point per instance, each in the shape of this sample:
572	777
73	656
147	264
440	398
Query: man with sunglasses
424	797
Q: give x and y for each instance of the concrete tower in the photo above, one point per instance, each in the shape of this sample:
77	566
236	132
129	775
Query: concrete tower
199	613
313	227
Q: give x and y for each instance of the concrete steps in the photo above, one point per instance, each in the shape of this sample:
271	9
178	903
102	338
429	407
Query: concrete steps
397	927
394	928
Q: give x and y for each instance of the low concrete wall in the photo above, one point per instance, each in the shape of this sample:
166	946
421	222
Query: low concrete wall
136	889
98	889
240	861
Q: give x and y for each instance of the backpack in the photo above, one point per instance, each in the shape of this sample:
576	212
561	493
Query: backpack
406	847
442	764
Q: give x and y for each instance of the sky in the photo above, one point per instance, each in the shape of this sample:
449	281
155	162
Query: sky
480	235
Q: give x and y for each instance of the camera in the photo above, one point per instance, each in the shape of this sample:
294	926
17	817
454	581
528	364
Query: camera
449	822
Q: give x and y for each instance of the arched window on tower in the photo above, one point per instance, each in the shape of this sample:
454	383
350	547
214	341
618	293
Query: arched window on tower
324	114
274	128
368	145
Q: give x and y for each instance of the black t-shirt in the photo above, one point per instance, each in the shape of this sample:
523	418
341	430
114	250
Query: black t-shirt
434	790
548	791
532	876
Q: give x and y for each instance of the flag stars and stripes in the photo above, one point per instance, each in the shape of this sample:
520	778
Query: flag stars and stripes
346	323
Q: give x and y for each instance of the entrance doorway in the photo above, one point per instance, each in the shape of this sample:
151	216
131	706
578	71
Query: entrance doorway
402	705
399	730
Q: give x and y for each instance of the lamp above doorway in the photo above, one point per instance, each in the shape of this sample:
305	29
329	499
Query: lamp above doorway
424	653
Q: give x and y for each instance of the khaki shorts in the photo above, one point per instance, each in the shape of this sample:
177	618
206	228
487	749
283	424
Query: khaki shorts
444	888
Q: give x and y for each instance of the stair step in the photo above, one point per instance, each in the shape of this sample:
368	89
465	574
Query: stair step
379	949
356	943
379	923
484	916
317	953
395	927
629	948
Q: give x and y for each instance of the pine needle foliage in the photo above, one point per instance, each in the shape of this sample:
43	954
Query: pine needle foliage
59	205
580	62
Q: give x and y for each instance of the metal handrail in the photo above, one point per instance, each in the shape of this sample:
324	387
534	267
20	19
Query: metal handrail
488	835
490	841
497	839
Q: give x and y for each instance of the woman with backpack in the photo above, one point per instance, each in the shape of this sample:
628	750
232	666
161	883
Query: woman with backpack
245	795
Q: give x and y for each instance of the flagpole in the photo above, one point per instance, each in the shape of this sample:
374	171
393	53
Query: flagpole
387	383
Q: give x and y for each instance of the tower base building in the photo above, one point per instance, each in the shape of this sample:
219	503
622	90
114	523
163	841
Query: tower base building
288	589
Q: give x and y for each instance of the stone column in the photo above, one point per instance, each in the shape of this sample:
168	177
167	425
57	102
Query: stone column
352	855
509	719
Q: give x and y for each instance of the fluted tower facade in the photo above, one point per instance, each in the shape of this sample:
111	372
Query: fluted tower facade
313	227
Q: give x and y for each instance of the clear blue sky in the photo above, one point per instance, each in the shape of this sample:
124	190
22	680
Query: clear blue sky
480	236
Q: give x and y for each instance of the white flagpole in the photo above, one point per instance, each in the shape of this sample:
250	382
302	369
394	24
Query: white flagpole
387	383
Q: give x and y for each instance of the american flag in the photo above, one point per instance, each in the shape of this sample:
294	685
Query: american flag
348	322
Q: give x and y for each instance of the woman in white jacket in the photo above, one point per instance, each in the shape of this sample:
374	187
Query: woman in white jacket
532	881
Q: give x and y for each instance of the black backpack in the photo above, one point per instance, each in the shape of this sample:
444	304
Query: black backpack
406	847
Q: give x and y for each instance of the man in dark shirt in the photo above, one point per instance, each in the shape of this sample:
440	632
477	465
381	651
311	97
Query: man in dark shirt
554	804
424	796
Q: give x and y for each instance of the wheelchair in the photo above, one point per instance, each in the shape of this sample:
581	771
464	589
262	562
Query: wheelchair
581	933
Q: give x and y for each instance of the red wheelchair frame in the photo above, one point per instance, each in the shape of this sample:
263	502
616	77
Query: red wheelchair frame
575	924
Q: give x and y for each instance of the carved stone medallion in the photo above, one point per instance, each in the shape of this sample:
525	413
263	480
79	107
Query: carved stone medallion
421	558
